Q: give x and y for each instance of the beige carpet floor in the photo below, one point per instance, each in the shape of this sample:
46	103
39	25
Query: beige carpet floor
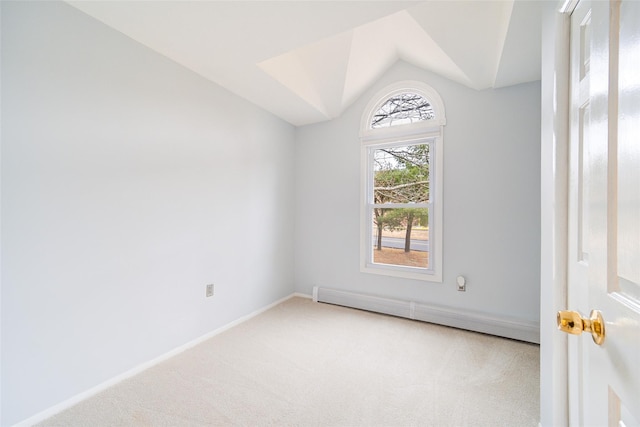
307	364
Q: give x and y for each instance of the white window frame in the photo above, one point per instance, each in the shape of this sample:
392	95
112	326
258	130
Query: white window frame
427	131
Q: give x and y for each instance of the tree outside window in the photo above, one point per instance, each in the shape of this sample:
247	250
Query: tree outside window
401	179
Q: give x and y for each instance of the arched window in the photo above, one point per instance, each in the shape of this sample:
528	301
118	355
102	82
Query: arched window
401	224
403	108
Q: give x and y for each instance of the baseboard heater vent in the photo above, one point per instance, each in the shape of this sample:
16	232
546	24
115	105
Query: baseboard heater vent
472	321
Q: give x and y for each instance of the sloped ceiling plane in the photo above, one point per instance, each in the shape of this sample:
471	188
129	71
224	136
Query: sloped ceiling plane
307	61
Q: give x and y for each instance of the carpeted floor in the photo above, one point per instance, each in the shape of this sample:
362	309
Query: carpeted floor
308	364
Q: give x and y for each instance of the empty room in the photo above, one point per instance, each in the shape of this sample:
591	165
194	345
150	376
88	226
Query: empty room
320	213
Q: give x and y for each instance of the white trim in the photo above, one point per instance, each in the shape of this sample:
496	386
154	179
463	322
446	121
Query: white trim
501	326
388	139
568	6
415	273
299	295
400	205
419	130
66	404
554	211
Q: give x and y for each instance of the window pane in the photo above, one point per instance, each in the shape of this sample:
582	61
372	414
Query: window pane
402	109
401	237
401	174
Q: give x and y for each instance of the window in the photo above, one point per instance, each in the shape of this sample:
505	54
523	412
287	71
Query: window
403	108
401	220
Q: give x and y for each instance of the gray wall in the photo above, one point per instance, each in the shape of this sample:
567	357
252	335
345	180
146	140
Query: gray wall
128	183
491	201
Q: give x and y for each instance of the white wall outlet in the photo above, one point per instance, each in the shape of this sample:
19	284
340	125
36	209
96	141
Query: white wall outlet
462	283
209	290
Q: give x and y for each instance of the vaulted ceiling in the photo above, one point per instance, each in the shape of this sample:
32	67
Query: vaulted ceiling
307	61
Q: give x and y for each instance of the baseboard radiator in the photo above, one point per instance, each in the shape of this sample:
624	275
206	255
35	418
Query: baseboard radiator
472	321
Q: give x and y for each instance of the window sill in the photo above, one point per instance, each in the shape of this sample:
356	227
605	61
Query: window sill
404	273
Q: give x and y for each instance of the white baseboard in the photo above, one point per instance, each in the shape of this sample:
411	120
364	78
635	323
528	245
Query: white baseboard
301	295
463	319
66	404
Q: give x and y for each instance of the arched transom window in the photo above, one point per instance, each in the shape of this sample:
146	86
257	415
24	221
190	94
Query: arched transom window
401	224
403	108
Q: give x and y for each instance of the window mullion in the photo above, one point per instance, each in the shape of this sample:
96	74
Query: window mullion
400	205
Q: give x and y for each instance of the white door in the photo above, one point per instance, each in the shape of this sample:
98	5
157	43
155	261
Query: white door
604	212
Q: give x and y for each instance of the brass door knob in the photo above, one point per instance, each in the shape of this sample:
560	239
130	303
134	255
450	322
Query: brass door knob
572	322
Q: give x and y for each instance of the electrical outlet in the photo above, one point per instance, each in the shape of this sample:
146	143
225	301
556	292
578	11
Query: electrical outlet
209	290
462	283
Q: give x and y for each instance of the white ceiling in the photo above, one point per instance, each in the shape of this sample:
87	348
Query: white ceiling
307	61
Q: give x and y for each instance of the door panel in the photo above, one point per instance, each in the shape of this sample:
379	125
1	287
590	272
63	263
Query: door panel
604	215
